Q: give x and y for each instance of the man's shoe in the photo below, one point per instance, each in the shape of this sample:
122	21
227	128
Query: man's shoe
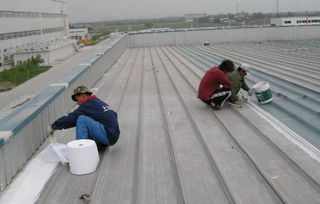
215	106
101	147
212	104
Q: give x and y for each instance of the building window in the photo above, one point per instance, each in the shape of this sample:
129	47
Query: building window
6	14
6	36
19	14
287	22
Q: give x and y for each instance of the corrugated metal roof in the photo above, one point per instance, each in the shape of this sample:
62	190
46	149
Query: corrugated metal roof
175	149
294	80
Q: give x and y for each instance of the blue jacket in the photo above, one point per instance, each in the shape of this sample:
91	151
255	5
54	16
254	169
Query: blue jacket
97	110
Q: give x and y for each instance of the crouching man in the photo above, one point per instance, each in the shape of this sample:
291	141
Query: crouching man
214	88
93	119
238	79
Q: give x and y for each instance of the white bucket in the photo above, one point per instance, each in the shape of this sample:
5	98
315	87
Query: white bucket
262	91
83	156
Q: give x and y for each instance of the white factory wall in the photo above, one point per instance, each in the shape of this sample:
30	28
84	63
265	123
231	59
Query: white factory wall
224	35
52	24
288	21
47	6
10	25
48	56
14	24
79	33
276	21
36	38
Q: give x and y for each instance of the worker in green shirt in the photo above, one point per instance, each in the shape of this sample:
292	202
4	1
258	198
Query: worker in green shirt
238	80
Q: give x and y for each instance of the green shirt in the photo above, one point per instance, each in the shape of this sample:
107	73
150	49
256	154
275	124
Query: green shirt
238	83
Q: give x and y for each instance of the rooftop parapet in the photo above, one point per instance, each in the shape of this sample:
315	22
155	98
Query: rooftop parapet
24	130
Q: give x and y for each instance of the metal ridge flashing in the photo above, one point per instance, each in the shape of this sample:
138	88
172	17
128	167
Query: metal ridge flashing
18	119
70	77
4	135
85	64
65	85
93	59
311	150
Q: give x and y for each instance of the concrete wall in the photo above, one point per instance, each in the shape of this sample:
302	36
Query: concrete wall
224	35
27	55
24	130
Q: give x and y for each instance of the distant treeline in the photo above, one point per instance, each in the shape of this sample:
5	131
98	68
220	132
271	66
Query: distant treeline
181	18
179	21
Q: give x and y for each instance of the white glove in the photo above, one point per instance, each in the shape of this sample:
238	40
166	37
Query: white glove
250	92
50	131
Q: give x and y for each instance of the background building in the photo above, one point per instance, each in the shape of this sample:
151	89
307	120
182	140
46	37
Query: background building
192	16
288	21
33	27
79	33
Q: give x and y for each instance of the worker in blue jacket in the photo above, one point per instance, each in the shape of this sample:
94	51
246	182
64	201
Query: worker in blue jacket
94	119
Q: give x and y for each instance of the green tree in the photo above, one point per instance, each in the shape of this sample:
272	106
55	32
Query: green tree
290	14
216	19
257	15
205	19
148	25
230	16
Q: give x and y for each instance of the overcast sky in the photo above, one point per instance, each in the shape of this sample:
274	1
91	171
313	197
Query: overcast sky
104	10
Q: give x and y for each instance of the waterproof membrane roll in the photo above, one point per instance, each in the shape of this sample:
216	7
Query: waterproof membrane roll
83	156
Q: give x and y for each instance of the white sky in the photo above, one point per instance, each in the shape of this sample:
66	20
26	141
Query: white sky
101	10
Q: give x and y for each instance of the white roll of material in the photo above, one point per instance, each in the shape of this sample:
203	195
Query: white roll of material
83	156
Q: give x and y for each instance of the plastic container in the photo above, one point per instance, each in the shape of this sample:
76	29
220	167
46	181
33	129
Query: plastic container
263	92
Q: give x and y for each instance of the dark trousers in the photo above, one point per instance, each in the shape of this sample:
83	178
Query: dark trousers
220	96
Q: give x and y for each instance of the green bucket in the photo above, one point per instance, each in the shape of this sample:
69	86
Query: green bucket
263	92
